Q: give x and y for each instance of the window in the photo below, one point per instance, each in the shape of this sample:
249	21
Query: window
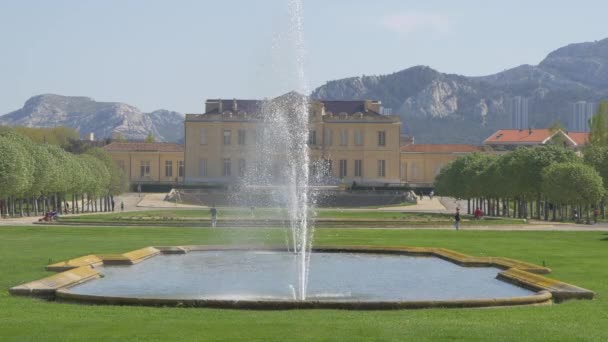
242	136
381	168
121	165
415	171
358	137
344	137
358	168
312	137
168	168
180	168
313	170
203	136
328	167
227	136
343	168
437	169
202	168
381	138
242	167
144	168
327	139
227	167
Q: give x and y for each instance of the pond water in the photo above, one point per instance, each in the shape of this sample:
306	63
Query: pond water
266	275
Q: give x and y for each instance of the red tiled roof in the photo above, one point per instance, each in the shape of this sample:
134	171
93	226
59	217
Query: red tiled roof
531	136
439	148
580	138
143	147
519	136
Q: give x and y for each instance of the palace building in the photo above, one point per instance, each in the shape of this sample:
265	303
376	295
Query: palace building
349	141
149	163
355	141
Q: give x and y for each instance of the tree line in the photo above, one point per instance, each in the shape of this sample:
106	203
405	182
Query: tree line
542	182
36	177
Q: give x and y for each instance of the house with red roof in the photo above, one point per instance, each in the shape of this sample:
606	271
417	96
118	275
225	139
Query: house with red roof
509	139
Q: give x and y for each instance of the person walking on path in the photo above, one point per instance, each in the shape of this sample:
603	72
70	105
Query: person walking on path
213	216
122	206
596	213
457	219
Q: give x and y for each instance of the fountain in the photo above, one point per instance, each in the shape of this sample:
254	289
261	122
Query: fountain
282	141
297	275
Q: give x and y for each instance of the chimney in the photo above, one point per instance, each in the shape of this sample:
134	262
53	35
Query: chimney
220	108
91	136
235	106
370	105
530	131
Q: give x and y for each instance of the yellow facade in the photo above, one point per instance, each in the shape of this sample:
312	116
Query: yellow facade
149	163
360	144
420	164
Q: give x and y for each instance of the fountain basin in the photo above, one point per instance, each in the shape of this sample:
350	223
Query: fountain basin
347	278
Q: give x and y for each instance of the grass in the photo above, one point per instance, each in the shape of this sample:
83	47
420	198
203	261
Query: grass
177	216
575	257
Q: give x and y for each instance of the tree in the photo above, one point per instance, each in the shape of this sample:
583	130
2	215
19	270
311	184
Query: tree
150	138
59	135
575	183
599	126
118	181
119	137
13	168
25	148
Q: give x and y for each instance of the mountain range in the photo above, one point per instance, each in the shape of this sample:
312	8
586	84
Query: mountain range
101	118
437	107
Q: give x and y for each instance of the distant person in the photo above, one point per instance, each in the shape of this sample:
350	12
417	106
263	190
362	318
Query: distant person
139	189
431	194
457	219
596	213
213	212
478	214
122	206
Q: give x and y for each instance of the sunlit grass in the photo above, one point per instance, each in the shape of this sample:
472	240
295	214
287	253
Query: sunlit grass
575	257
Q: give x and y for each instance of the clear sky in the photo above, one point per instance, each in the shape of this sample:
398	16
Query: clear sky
174	54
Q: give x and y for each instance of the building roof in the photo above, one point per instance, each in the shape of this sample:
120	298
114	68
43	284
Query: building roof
440	148
581	138
247	106
519	136
143	147
349	107
253	110
533	137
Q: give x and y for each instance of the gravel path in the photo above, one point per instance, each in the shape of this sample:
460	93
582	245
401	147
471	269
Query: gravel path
155	201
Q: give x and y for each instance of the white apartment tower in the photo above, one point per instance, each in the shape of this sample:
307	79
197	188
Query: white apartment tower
581	113
518	108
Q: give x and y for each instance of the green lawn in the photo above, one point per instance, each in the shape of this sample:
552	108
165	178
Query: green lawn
184	216
576	257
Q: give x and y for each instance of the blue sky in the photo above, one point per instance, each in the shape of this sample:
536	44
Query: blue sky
174	54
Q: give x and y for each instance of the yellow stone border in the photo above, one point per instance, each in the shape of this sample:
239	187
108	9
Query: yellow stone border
47	287
527	275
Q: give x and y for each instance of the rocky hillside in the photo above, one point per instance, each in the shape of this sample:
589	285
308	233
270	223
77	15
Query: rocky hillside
102	118
446	108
